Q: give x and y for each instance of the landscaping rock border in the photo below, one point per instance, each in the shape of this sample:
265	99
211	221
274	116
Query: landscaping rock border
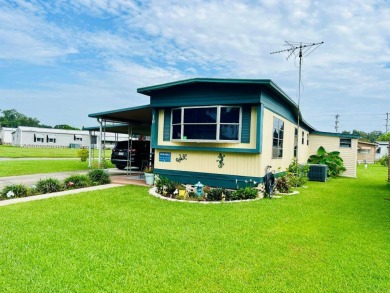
153	192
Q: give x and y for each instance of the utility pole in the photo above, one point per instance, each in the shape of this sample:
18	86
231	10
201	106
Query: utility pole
303	49
337	123
387	122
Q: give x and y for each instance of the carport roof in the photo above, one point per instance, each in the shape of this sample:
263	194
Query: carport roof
138	119
133	115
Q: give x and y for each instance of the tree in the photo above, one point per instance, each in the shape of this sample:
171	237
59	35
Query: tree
65	126
384	137
12	118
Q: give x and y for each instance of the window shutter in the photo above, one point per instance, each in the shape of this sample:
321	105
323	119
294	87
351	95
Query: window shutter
167	125
246	124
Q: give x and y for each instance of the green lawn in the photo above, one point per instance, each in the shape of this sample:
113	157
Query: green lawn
333	237
18	152
25	167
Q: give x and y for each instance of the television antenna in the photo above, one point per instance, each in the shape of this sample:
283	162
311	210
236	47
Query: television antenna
303	49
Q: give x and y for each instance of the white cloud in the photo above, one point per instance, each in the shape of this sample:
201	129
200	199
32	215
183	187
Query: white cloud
135	43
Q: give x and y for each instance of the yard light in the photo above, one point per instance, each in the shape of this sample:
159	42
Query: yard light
199	188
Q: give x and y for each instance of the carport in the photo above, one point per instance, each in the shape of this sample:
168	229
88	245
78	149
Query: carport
132	121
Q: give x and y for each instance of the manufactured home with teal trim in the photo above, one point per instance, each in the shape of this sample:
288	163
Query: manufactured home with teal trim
225	132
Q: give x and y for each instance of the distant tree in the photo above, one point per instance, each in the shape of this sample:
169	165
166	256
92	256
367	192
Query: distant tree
65	126
44	126
384	137
12	118
366	136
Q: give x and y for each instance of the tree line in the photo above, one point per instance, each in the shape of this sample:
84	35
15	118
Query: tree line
370	136
12	118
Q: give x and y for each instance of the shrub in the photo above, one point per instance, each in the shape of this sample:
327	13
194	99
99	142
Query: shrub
332	159
297	174
218	194
244	193
14	190
77	181
83	154
48	185
384	161
165	186
283	184
98	177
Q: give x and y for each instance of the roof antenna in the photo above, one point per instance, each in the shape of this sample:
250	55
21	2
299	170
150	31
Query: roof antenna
303	49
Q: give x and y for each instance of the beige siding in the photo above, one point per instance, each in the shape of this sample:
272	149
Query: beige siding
288	144
234	163
332	143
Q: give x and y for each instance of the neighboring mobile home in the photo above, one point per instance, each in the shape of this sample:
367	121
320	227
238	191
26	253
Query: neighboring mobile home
224	132
6	135
366	152
382	149
60	138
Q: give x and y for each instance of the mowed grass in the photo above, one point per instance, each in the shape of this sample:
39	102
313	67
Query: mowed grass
333	237
26	167
22	152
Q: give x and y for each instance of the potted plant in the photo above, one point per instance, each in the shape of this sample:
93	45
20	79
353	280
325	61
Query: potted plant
149	175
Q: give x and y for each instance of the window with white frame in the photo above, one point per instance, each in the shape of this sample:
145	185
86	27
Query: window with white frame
277	138
78	137
51	138
211	124
39	138
295	142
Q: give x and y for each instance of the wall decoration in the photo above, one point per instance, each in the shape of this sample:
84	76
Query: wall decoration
181	158
220	160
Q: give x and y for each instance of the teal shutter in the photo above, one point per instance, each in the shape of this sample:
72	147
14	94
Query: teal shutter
167	125
246	124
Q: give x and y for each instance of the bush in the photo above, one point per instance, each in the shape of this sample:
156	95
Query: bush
216	194
244	193
165	186
77	181
283	184
384	161
48	185
297	174
14	190
98	177
83	154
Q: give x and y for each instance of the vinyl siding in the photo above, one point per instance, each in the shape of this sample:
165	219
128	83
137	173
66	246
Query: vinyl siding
288	144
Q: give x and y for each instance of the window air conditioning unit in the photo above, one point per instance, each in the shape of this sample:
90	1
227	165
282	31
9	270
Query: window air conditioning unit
318	172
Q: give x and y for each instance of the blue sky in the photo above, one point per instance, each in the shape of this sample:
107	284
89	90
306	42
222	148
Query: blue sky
61	60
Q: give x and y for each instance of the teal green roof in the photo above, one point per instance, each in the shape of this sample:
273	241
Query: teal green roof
263	83
342	135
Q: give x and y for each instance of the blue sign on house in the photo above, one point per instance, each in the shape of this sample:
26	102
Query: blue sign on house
164	157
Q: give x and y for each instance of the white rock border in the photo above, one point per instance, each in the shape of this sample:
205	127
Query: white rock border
153	192
295	192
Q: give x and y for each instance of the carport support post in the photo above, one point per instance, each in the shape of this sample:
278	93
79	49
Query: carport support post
100	142
90	150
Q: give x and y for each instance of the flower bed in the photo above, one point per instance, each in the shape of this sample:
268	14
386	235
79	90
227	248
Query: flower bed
166	188
50	185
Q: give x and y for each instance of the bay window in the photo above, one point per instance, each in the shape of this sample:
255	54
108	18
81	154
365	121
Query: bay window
210	124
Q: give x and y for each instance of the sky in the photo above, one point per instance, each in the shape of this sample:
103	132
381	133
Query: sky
62	60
